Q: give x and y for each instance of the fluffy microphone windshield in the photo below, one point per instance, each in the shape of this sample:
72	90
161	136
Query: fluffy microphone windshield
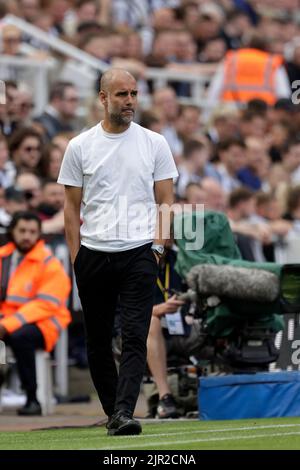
234	282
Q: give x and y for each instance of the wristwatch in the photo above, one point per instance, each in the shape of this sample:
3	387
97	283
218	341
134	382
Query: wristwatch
158	249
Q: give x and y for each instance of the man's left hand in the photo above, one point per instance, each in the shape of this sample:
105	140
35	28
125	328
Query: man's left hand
3	331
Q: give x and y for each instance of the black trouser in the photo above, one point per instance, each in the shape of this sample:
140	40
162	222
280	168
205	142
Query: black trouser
103	279
24	342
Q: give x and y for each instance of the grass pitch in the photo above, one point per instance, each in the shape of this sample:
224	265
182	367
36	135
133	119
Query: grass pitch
259	434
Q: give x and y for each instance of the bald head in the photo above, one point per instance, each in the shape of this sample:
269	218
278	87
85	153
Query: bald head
215	197
114	75
118	94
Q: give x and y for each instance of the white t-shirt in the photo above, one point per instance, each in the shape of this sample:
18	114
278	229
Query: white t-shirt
117	174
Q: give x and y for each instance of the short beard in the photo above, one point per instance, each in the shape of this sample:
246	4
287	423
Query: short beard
120	120
24	251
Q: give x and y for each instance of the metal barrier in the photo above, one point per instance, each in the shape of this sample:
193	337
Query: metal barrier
55	43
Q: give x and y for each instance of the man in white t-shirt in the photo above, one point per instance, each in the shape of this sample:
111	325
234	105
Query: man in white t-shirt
117	172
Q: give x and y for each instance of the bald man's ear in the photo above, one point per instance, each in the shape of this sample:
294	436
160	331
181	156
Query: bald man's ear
102	96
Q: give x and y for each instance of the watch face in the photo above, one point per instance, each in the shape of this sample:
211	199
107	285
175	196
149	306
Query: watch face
159	249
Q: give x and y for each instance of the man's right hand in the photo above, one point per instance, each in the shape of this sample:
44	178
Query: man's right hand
171	305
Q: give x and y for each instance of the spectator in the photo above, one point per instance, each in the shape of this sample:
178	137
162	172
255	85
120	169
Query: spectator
30	184
281	111
241	204
96	44
58	10
133	14
9	117
25	147
258	164
62	139
278	181
25	102
7	170
165	102
151	119
242	76
133	46
34	291
293	60
237	25
213	51
250	234
14	201
278	136
51	161
253	124
189	122
291	160
267	206
194	194
215	197
11	40
163	50
52	199
165	17
30	9
83	11
224	124
185	53
195	166
209	23
293	204
60	113
232	156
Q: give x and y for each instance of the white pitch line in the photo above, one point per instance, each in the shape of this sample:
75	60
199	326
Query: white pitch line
185	431
204	431
156	444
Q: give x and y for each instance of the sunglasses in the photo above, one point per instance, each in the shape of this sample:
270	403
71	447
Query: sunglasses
29	148
26	105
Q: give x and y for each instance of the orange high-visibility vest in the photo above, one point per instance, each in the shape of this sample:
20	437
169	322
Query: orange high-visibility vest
37	293
250	73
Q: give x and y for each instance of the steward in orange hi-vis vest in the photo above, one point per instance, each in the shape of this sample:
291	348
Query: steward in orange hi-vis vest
37	292
250	73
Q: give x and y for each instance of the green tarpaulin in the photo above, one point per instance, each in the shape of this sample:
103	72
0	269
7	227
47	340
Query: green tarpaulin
219	248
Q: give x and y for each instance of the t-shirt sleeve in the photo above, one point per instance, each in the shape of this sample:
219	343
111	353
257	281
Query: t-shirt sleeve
165	167
71	173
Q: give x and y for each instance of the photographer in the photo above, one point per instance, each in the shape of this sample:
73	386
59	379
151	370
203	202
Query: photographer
166	337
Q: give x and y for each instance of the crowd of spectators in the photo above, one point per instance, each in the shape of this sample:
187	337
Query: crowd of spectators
243	160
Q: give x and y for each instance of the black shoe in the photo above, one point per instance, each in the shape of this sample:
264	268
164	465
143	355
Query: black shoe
121	423
32	408
166	407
